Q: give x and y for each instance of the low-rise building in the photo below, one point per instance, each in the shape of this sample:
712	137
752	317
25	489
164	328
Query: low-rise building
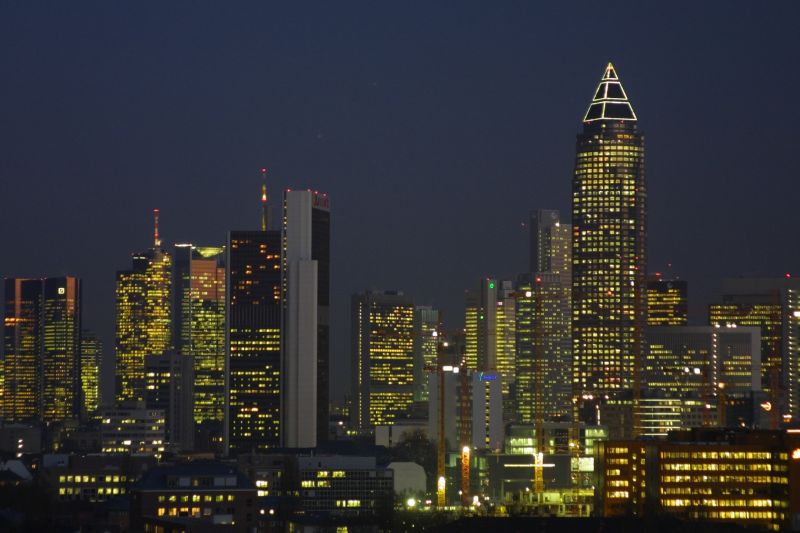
201	492
132	428
738	476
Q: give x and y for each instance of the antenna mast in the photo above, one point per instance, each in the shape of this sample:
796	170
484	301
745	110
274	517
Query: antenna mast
264	199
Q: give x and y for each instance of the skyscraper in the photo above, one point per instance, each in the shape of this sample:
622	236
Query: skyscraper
480	325
42	338
383	356
91	357
306	299
22	347
143	316
61	348
427	324
198	324
772	304
667	303
608	247
551	243
506	339
253	373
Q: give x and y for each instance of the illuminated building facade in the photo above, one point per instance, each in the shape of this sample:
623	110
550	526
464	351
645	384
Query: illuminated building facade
773	305
61	348
506	335
42	343
667	301
92	478
22	346
480	326
383	357
345	487
91	358
551	245
143	317
254	341
609	304
695	361
170	387
748	478
198	332
132	428
426	340
543	348
306	317
202	494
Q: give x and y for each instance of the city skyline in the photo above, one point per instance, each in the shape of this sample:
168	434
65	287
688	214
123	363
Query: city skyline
518	160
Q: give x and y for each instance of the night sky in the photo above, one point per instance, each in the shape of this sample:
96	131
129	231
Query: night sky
434	128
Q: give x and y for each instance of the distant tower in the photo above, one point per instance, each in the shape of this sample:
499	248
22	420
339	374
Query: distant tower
254	335
608	247
383	356
264	217
306	299
143	316
91	359
667	303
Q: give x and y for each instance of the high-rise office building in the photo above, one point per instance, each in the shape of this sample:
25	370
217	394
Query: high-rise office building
170	389
143	316
609	305
480	326
198	324
306	299
543	362
253	341
427	326
383	357
772	304
42	337
91	359
506	335
667	303
61	348
551	244
22	348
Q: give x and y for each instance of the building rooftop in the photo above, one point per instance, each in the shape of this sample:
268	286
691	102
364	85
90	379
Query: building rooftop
610	101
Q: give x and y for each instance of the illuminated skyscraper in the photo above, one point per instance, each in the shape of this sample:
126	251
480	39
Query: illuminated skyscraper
254	341
198	291
91	357
42	326
506	351
426	330
608	247
306	321
22	348
480	326
143	317
772	304
383	357
543	362
61	348
170	389
551	244
667	303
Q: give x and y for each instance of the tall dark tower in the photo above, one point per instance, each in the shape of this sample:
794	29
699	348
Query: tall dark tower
253	339
608	247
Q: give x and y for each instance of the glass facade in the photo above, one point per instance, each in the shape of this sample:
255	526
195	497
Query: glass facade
143	319
667	303
91	357
198	285
22	341
383	353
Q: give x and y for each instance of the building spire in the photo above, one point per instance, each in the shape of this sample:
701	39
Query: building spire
156	239
264	199
610	101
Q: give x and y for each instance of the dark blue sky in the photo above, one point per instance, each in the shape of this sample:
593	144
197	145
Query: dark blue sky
434	128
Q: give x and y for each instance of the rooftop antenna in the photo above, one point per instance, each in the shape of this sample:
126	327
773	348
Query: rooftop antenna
264	199
156	239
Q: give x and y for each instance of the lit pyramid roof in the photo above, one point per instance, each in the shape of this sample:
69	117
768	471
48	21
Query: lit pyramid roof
610	101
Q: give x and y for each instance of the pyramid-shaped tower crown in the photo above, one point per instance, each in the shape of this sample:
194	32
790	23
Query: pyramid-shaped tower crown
610	101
